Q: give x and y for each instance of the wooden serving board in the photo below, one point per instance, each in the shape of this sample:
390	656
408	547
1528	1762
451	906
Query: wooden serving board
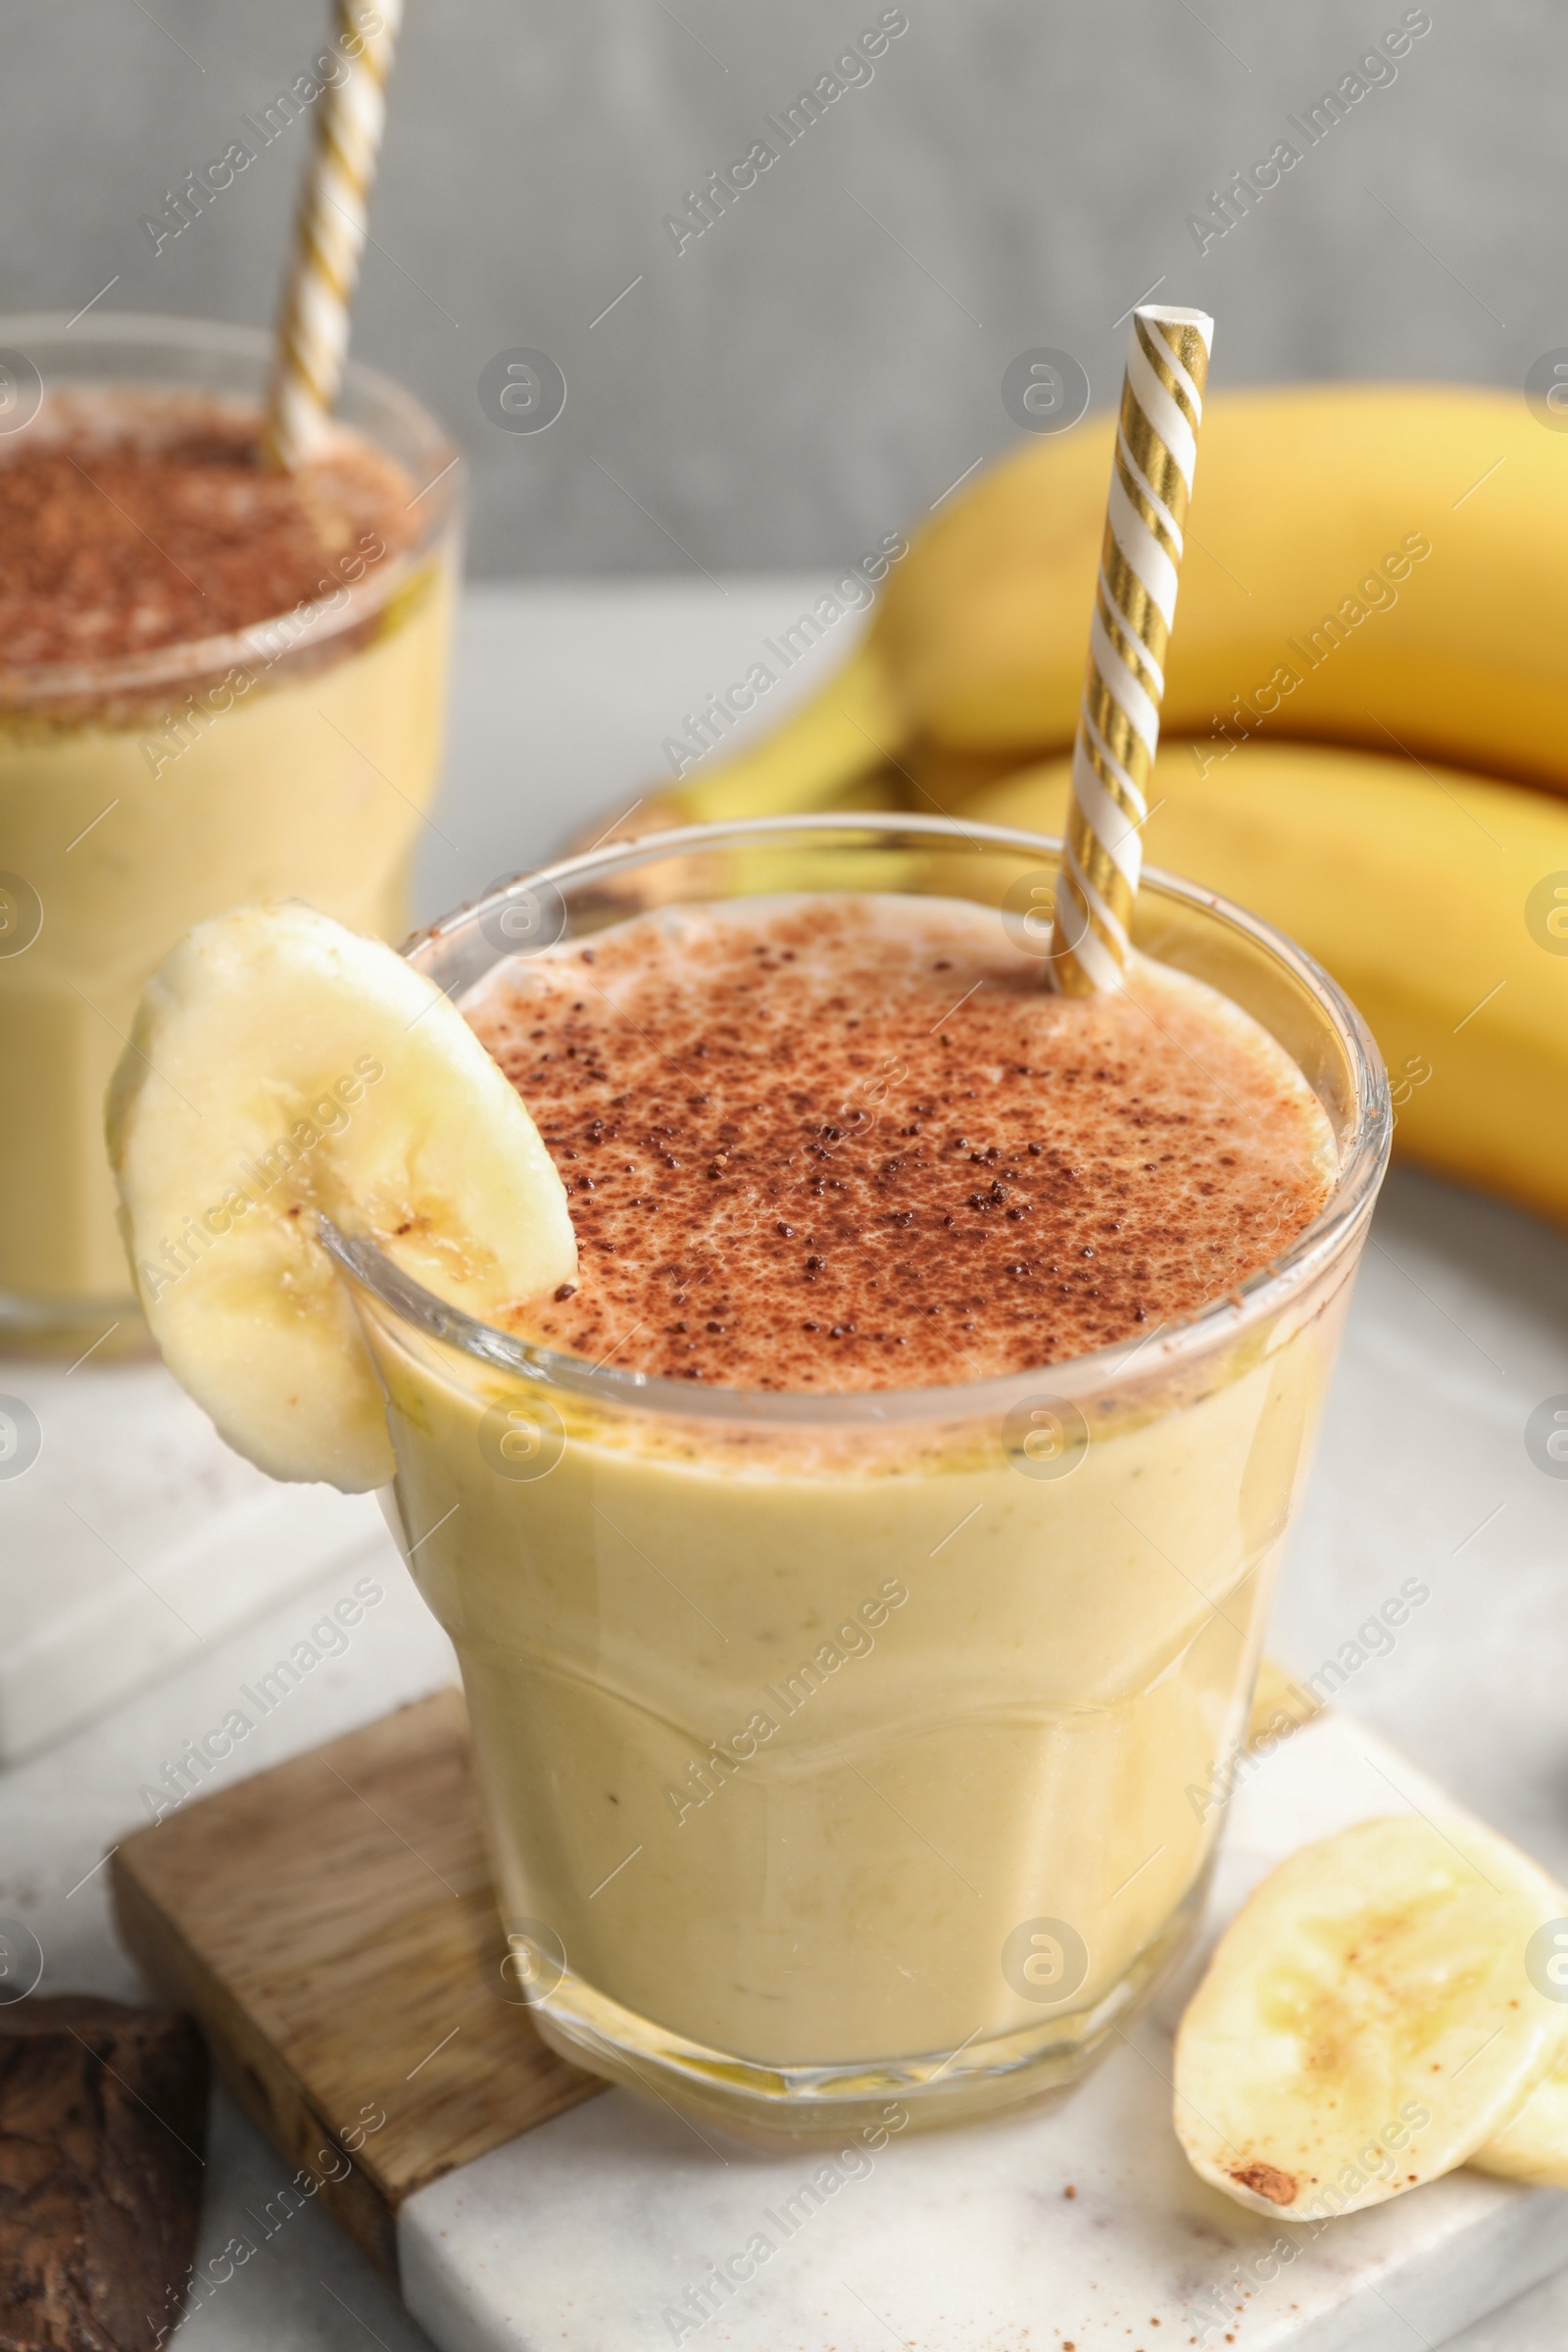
330	1925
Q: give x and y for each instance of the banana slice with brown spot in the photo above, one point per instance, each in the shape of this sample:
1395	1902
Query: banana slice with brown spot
1367	2021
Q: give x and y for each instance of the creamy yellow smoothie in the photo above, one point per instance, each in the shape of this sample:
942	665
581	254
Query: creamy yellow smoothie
859	1570
216	684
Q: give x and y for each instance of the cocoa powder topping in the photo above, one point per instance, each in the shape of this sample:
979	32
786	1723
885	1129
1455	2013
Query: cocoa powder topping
854	1143
130	522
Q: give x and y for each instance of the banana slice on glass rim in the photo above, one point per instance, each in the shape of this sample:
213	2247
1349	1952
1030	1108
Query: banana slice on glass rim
1367	2021
282	1067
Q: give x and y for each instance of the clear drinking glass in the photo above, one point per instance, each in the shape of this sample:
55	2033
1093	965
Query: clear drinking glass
843	1747
291	758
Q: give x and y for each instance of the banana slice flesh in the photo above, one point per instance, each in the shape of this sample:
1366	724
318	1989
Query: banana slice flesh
1534	2147
282	1066
1366	2021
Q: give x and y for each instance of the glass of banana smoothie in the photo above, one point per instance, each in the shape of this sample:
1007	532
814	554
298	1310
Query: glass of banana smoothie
859	1571
217	683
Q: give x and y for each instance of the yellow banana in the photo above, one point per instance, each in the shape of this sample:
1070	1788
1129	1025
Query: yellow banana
836	745
1367	564
1439	900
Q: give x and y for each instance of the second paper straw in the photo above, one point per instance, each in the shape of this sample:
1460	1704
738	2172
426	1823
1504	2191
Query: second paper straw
1135	605
313	333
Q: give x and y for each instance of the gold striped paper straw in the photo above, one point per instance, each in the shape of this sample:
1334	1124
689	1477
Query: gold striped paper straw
1135	605
313	333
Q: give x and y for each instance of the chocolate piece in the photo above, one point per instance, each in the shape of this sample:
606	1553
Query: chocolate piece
103	2124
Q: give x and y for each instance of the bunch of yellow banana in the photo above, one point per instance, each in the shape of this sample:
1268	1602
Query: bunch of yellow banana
1373	603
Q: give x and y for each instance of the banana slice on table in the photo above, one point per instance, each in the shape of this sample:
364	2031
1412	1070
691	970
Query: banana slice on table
280	1066
1366	2021
1534	2147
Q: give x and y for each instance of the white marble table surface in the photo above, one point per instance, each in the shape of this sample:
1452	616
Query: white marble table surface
1460	1329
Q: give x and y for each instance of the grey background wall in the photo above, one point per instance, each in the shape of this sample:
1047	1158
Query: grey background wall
824	361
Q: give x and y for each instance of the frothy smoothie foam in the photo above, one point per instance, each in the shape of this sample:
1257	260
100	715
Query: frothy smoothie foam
854	1142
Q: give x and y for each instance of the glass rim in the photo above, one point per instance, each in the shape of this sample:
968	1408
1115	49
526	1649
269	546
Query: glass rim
1165	1348
319	620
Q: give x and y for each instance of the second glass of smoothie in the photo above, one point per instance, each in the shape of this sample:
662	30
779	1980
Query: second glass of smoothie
859	1569
218	683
